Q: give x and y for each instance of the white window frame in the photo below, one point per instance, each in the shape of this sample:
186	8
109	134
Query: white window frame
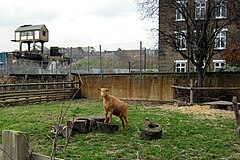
218	64
180	66
200	9
221	39
221	9
181	40
179	15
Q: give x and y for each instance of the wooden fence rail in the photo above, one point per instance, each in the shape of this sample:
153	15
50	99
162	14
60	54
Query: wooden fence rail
37	92
191	91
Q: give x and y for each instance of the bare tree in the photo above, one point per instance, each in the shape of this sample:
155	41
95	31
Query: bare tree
232	56
198	29
150	10
195	28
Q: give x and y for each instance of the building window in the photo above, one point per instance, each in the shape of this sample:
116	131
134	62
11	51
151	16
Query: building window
219	64
221	9
181	43
180	10
200	9
180	66
220	41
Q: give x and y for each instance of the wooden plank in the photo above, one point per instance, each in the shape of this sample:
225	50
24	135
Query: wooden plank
37	99
36	92
216	88
30	95
33	91
206	88
181	87
36	84
227	103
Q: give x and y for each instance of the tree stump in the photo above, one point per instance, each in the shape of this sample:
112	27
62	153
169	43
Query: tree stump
107	128
79	126
91	121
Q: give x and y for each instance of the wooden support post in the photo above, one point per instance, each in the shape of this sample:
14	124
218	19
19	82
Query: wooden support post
38	86
46	85
54	85
191	92
237	116
15	145
63	89
63	85
26	86
47	90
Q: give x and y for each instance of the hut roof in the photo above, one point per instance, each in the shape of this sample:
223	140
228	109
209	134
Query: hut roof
30	28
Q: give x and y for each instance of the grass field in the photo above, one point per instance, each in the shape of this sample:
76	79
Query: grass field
191	133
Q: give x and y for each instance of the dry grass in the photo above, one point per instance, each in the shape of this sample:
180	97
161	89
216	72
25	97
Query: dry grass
199	111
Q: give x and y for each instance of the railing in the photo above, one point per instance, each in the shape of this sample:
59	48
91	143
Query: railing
190	94
37	92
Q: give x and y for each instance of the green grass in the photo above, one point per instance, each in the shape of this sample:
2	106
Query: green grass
185	136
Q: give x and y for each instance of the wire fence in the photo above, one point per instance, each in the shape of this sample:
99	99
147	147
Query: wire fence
91	59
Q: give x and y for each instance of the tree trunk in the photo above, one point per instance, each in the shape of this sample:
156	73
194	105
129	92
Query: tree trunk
200	77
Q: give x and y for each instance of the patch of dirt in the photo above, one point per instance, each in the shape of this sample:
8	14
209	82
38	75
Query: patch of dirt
200	111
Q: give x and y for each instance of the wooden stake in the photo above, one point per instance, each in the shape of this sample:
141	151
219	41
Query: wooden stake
237	116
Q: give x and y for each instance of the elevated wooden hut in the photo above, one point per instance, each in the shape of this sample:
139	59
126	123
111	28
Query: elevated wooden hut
31	34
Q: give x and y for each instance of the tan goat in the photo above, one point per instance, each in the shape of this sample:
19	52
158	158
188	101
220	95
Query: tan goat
114	106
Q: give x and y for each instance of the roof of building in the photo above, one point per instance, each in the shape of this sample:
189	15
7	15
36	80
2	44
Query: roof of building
30	27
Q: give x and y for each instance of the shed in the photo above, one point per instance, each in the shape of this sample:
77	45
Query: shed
31	34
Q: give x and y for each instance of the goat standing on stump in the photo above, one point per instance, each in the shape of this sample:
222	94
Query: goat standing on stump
114	106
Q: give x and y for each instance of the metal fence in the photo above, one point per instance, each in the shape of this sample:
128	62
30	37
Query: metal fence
97	59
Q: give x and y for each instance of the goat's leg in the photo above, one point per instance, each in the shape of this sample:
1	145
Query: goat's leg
122	119
110	118
106	114
126	120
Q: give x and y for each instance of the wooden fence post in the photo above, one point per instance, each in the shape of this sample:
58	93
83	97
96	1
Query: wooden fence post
191	92
237	116
15	145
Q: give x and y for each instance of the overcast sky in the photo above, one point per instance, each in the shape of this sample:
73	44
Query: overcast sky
76	23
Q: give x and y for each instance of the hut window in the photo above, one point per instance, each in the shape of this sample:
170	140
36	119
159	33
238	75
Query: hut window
36	34
17	36
23	35
44	34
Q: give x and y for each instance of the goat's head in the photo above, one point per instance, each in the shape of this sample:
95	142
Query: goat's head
103	91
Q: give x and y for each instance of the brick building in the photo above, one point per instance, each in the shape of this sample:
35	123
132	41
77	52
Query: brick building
221	19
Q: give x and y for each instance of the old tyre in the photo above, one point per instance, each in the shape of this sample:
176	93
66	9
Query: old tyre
151	133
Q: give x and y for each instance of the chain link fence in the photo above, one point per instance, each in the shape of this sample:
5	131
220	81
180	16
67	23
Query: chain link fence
92	59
